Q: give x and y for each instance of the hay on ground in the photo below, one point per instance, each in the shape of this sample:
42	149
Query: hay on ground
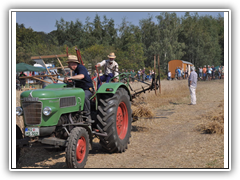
142	110
214	122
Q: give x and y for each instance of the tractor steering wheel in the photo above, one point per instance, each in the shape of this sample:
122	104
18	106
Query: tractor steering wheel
73	83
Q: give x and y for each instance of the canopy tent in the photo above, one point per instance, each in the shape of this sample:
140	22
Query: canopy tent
20	67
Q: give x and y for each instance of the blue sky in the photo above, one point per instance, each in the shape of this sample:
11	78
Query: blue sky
45	21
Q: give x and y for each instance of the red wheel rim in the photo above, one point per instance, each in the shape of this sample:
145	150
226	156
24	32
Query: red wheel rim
122	120
81	149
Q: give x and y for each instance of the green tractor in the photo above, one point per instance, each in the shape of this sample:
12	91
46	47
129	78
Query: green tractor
54	118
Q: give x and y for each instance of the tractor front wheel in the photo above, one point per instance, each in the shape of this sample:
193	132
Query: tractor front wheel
77	148
19	135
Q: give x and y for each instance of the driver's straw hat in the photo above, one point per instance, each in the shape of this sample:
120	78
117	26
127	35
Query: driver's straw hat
72	58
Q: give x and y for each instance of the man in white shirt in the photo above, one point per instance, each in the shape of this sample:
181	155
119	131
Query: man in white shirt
111	69
192	84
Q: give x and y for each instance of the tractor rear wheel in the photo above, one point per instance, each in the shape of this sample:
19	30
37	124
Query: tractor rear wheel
115	118
77	148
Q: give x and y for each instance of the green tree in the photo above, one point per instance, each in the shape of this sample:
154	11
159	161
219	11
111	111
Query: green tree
201	35
109	33
197	39
167	44
130	46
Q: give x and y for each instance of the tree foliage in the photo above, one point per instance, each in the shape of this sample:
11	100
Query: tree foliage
197	39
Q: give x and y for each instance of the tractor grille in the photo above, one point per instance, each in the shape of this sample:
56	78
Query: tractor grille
67	102
32	112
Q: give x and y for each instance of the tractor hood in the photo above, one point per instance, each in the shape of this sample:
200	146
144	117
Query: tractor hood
59	100
52	93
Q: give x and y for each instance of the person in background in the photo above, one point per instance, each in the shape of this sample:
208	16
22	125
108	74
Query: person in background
200	70
139	74
169	75
182	71
133	75
18	87
204	70
122	76
219	72
213	72
100	73
22	80
176	73
186	73
150	74
153	74
209	73
192	84
222	73
95	78
179	73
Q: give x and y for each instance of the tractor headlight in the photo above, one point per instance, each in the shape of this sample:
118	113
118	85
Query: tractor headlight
47	111
19	111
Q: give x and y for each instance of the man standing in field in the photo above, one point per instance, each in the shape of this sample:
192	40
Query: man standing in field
192	83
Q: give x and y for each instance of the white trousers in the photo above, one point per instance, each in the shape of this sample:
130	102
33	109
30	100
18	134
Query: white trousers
193	94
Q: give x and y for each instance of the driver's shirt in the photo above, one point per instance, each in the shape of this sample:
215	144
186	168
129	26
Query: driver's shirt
86	82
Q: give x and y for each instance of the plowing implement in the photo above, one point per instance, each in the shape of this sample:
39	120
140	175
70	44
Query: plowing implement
125	78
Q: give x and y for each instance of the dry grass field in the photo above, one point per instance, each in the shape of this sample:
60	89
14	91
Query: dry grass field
171	91
168	133
145	105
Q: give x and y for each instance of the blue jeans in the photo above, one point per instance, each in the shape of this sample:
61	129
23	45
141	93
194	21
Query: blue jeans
87	105
104	78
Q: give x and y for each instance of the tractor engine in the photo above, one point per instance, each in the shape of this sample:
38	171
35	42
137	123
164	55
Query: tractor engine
69	118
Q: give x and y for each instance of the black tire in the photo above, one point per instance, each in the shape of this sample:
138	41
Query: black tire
19	135
77	148
108	120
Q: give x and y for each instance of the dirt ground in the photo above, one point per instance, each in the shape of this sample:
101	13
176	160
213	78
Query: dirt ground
169	140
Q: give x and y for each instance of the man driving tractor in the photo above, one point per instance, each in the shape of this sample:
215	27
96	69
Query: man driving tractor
85	83
111	69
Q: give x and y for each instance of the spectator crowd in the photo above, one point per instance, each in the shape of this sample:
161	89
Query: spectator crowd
206	73
210	73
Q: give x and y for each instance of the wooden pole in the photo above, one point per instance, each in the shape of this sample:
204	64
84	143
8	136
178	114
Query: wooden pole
48	56
155	74
159	75
28	77
62	66
37	77
48	71
41	80
58	67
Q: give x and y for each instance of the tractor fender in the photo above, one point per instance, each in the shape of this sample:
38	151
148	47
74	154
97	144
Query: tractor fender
111	88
